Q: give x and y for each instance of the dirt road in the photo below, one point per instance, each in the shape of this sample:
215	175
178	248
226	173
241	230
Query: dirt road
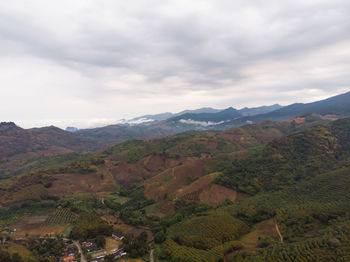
82	257
151	258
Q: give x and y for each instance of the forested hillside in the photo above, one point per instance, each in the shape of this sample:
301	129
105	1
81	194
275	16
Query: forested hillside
277	191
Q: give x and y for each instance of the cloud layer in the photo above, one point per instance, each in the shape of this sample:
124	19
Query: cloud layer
80	62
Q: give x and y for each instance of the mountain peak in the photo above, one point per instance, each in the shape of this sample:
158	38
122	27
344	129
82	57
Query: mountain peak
8	125
229	109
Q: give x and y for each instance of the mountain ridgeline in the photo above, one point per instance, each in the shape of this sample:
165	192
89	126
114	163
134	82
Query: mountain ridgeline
265	191
20	148
337	106
205	119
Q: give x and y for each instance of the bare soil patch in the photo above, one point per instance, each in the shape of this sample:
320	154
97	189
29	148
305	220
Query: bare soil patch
259	232
204	190
67	184
126	173
112	244
172	179
154	163
33	226
262	230
128	229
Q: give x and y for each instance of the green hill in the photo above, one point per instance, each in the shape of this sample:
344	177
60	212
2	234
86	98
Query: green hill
292	158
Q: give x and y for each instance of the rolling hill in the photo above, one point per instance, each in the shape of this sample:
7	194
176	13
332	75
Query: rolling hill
176	159
20	147
274	191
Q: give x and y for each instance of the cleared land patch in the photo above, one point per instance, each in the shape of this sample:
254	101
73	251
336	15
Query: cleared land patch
173	179
204	190
67	184
34	226
112	244
16	248
260	231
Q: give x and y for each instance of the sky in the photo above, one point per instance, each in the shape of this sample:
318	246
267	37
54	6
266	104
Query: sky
88	63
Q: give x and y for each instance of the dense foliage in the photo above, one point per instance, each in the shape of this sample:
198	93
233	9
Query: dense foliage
136	246
285	161
89	226
208	231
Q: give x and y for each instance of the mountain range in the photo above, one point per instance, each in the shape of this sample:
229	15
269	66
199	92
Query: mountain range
28	145
334	107
205	112
257	190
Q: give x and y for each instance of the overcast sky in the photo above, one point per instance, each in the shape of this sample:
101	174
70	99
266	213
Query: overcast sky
88	62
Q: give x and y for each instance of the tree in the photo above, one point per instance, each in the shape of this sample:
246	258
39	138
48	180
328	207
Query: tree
159	237
16	258
100	241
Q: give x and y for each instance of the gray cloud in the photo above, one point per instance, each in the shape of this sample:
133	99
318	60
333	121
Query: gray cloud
111	59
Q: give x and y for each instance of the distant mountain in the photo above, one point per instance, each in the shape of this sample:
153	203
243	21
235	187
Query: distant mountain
220	117
146	127
208	118
198	111
164	116
114	134
204	115
118	133
335	107
338	107
259	110
71	129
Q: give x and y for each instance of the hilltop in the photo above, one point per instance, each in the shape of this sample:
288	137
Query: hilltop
20	146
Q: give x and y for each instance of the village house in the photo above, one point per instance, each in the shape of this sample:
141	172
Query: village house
117	235
69	259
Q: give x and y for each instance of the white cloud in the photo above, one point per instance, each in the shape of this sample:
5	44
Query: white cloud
200	123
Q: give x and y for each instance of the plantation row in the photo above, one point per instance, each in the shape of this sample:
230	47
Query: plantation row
206	232
190	254
306	251
60	217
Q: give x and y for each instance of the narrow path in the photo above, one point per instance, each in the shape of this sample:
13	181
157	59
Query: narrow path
82	257
279	232
151	257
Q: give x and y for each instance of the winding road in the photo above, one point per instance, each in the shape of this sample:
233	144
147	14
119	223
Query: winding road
77	244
